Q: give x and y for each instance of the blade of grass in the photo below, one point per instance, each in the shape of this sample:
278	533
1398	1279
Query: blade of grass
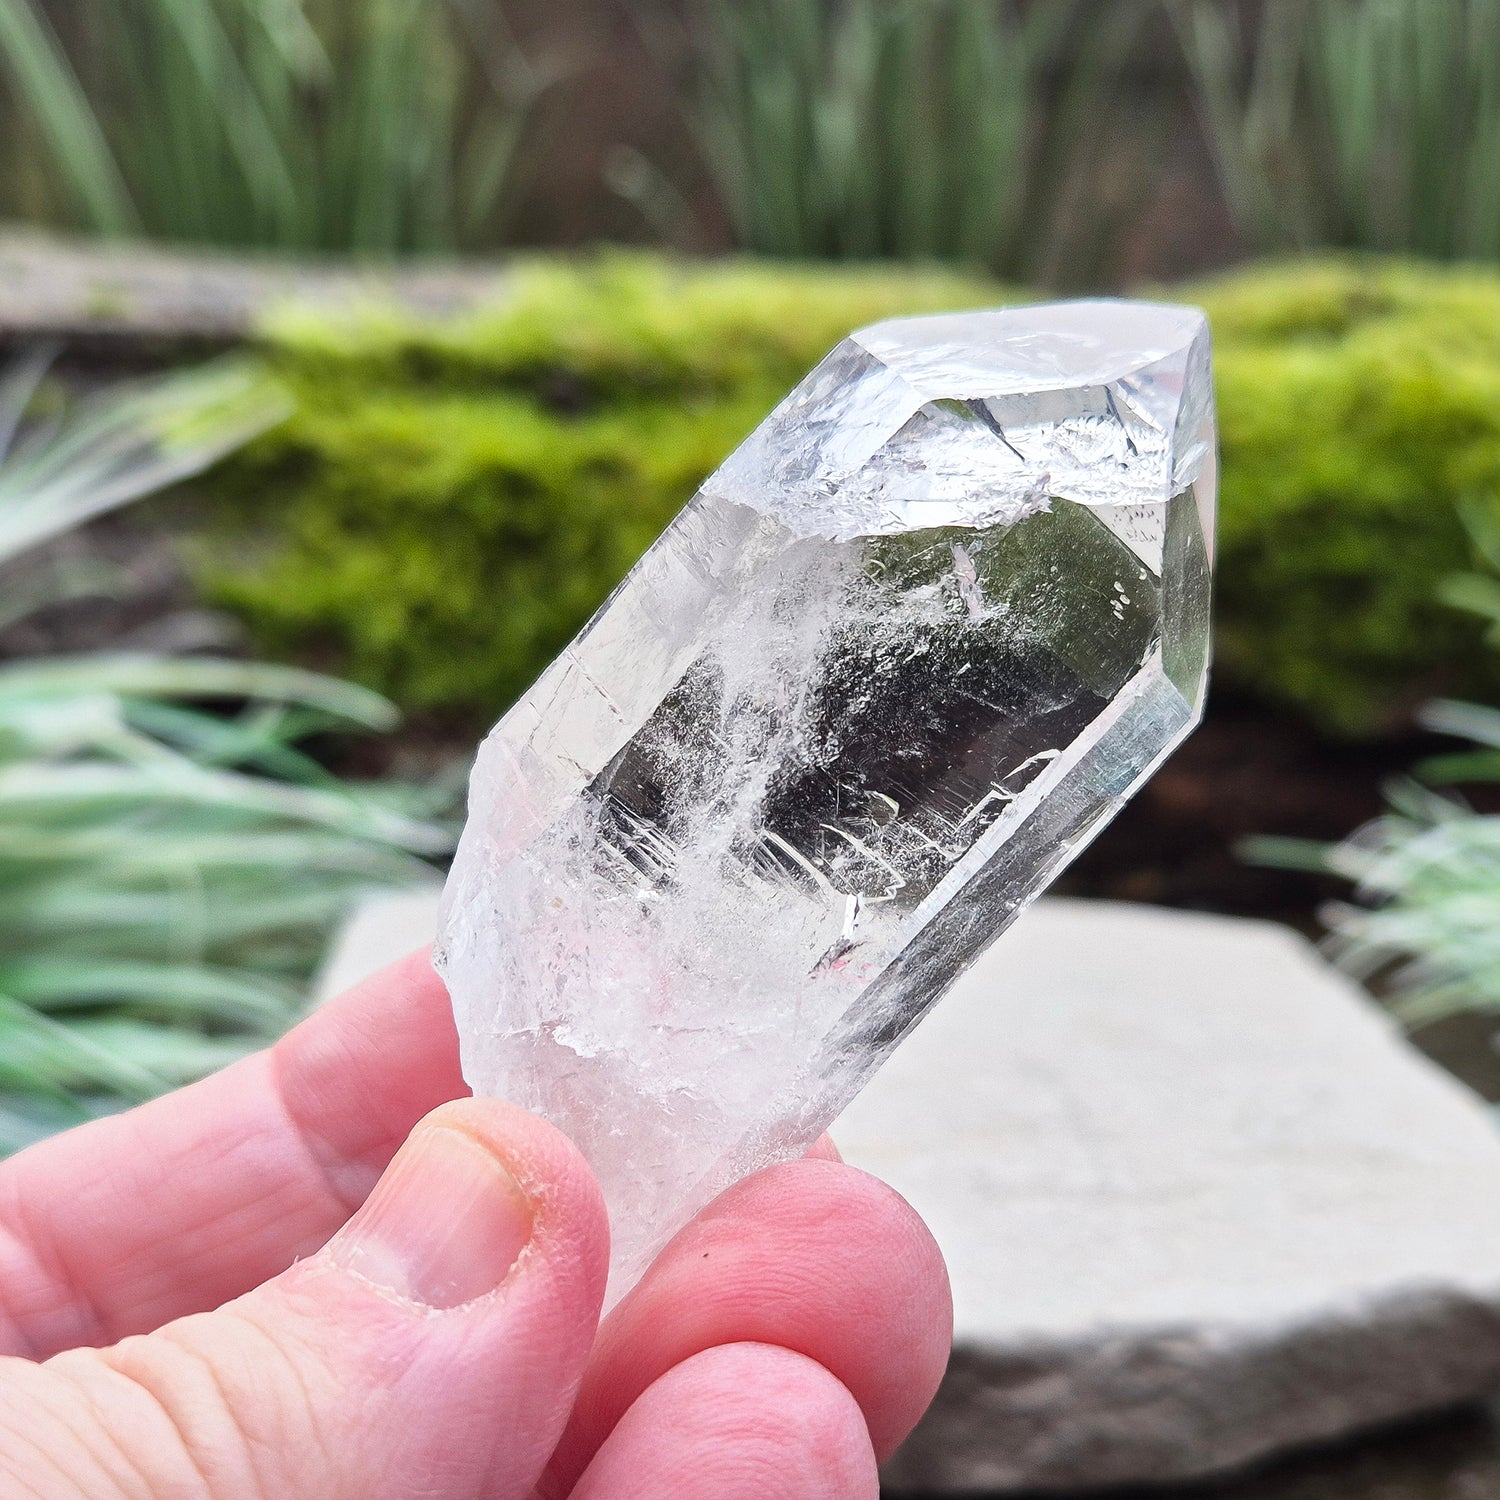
56	99
199	993
198	677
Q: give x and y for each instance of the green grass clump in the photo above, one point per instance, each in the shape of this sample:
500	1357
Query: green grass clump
172	860
1371	124
956	130
449	501
376	127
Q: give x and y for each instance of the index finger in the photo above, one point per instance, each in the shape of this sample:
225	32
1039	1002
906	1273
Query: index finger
126	1223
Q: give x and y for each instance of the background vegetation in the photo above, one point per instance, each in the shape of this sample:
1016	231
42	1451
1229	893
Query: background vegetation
449	501
1021	136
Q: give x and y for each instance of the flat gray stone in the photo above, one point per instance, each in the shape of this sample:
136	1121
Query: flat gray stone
377	932
133	297
1199	1199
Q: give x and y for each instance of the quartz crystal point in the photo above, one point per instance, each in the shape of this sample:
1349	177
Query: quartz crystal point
897	662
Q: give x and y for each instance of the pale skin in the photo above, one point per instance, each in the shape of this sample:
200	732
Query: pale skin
235	1291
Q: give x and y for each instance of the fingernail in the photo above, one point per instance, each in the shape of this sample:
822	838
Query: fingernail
444	1225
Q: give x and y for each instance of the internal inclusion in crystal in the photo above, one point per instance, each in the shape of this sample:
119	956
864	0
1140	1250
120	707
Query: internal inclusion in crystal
894	664
942	690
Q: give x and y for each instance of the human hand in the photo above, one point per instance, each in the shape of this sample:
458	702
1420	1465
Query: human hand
175	1319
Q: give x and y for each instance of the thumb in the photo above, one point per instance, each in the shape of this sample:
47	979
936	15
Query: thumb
434	1347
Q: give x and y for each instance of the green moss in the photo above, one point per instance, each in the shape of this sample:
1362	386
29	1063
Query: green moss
1358	403
450	500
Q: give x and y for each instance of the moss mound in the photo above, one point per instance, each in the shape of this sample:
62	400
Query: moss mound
1358	404
449	502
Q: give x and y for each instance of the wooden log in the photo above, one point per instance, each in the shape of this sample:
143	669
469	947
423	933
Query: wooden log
139	301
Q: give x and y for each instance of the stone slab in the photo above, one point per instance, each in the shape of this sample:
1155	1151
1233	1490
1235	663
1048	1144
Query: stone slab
1200	1201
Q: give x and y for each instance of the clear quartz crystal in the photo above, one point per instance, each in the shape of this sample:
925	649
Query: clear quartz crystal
893	666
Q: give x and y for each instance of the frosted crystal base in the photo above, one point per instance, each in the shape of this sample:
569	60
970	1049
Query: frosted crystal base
902	656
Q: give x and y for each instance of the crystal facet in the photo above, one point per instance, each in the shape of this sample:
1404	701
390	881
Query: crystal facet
898	660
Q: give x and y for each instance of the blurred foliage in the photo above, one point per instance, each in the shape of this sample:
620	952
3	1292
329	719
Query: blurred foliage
1019	136
1373	124
170	862
449	502
373	126
963	130
63	464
